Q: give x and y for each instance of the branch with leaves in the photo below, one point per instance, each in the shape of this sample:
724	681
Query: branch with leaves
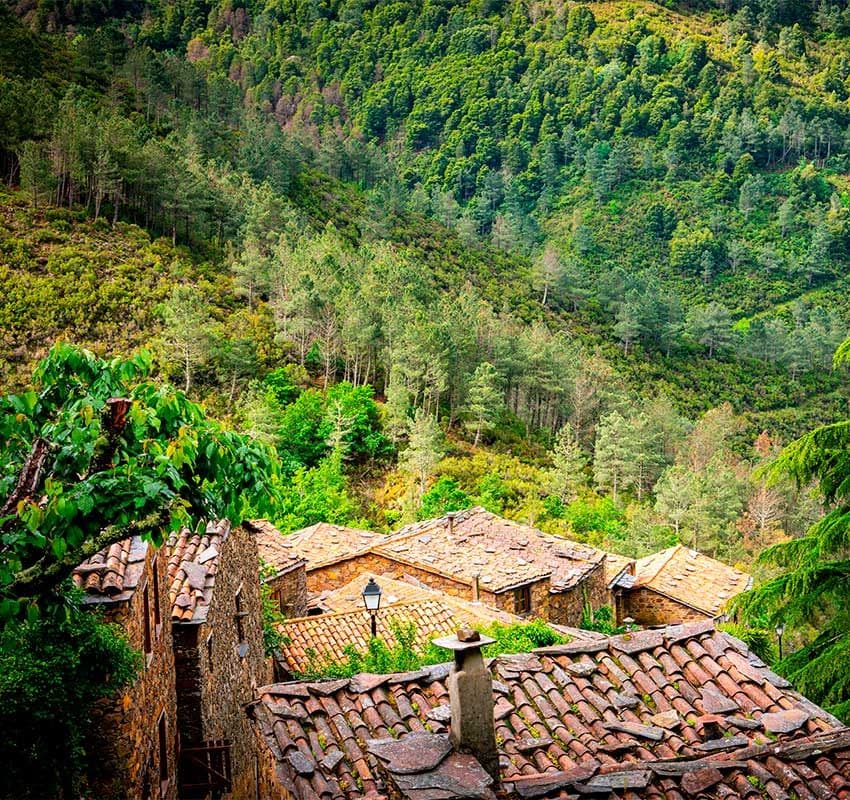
94	453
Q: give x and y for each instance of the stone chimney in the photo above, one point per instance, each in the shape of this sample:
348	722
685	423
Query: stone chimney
473	728
451	520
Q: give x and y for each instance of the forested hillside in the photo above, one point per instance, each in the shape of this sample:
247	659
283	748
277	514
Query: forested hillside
582	263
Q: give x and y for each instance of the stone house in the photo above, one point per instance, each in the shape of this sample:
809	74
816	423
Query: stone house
286	573
334	554
320	638
214	594
479	556
681	712
678	585
134	736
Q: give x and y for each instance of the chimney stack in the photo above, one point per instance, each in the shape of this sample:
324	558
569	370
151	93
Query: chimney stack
451	518
473	727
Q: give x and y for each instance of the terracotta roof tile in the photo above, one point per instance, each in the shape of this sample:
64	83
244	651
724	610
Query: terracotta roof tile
598	724
433	614
691	578
587	707
193	561
501	553
324	544
273	547
112	574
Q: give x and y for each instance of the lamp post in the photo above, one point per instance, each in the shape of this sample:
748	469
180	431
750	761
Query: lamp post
372	601
780	629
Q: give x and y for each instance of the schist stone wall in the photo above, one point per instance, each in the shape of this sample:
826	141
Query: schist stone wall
332	576
512	602
220	663
289	591
648	607
125	731
566	608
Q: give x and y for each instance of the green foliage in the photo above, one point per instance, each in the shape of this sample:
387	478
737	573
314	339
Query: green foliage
315	494
52	670
810	588
403	655
273	637
94	453
444	495
600	620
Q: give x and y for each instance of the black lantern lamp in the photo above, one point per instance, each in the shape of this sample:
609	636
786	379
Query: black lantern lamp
372	601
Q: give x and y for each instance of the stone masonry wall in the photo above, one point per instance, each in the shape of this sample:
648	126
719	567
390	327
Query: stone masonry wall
338	574
648	607
124	741
566	608
290	592
215	682
506	601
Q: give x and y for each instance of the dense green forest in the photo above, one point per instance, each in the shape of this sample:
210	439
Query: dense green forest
582	263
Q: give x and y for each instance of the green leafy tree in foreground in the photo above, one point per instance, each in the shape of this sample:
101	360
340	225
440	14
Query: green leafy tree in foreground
52	670
813	587
94	453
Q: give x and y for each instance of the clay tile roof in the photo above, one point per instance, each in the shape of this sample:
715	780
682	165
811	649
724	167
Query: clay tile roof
686	711
503	554
112	574
193	561
691	578
324	544
324	636
273	548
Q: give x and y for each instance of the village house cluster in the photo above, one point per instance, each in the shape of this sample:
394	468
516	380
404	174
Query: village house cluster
678	709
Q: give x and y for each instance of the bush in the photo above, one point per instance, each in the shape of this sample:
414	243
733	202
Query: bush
52	670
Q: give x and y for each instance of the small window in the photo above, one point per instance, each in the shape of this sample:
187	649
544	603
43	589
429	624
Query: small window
157	615
162	730
522	600
209	644
240	617
146	611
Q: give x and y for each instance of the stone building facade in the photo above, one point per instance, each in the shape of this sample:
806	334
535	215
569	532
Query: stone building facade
567	607
133	742
282	569
219	657
679	585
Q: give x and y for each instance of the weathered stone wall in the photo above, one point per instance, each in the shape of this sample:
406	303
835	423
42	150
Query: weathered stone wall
566	608
290	592
214	681
338	574
507	601
124	743
648	607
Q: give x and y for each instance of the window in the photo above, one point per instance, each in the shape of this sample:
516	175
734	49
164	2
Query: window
157	616
522	600
162	730
209	644
146	611
240	617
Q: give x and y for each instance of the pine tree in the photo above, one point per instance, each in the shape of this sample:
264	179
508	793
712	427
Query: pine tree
569	465
424	449
485	400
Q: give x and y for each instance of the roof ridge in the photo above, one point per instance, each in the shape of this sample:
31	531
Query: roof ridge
670	552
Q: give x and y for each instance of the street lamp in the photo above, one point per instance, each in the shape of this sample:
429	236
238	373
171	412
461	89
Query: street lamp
372	601
780	629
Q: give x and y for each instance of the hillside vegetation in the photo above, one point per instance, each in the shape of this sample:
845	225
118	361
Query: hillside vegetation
582	263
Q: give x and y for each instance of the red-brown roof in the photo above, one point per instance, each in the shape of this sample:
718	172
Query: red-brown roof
323	543
500	553
193	561
642	710
697	580
273	547
112	574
